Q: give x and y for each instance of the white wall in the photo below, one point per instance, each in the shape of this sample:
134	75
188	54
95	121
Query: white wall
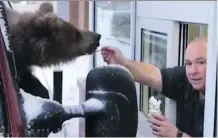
185	11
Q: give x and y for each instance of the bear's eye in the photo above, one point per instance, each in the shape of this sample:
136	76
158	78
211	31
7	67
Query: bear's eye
78	35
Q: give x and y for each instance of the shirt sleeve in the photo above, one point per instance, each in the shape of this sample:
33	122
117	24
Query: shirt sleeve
172	79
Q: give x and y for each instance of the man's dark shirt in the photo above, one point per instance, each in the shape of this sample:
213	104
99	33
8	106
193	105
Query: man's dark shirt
190	110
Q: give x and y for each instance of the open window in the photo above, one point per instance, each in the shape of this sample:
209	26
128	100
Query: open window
188	32
190	24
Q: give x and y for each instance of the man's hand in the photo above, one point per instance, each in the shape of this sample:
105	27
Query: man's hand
161	126
112	55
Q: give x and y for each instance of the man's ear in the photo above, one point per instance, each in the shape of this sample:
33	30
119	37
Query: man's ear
45	8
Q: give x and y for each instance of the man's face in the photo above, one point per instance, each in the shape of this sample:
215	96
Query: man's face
196	59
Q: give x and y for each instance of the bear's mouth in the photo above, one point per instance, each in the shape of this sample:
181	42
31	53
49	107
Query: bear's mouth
92	48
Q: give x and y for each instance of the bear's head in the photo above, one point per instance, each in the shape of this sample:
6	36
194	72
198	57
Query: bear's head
42	38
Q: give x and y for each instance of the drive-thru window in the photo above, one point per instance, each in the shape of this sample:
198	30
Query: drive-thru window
158	32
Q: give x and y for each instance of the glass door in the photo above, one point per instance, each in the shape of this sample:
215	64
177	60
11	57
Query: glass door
157	43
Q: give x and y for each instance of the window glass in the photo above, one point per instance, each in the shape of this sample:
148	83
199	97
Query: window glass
113	22
196	30
154	50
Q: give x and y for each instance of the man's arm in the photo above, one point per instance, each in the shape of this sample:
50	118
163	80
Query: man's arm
145	73
186	135
161	80
164	80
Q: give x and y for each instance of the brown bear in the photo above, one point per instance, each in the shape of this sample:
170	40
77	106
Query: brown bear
42	38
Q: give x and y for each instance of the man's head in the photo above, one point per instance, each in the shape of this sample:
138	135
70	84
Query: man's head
196	60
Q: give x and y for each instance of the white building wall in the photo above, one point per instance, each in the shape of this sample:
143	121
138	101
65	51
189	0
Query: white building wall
183	11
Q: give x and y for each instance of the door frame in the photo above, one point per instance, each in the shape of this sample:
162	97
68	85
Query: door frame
212	51
172	30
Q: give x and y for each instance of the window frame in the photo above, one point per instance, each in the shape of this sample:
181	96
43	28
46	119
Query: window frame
172	30
210	92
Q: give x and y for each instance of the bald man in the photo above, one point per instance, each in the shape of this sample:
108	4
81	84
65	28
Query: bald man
185	85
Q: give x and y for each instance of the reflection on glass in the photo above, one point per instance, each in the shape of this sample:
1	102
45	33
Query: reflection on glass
196	30
22	6
154	51
113	22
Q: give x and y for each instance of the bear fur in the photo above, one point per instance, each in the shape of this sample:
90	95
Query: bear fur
41	38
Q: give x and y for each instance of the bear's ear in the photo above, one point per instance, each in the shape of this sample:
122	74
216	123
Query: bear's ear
12	16
45	8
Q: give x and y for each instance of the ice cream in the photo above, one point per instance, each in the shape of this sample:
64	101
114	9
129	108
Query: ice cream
154	106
